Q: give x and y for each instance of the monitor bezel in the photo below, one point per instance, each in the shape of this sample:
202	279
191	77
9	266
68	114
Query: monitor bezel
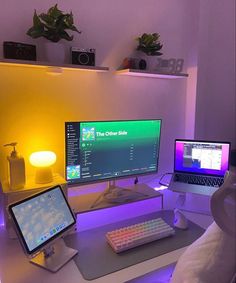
53	238
203	141
76	183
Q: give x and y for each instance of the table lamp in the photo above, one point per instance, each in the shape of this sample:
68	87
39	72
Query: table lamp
43	160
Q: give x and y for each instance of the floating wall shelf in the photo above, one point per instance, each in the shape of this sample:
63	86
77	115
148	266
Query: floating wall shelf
51	67
149	74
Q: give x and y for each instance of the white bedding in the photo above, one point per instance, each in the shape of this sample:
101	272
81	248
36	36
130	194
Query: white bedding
210	259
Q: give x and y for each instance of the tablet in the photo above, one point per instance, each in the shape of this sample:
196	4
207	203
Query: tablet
42	218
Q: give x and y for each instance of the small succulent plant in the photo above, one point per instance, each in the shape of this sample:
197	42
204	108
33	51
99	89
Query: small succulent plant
149	43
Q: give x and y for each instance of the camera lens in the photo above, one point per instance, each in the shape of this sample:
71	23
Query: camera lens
83	58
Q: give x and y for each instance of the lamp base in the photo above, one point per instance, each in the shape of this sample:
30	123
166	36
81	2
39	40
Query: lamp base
43	175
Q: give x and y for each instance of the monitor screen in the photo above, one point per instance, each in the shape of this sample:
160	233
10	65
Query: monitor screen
103	150
202	157
41	218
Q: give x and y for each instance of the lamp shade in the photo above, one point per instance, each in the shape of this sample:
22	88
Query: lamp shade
43	160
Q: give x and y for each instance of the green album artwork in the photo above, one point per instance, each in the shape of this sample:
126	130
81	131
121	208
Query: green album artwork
88	134
73	172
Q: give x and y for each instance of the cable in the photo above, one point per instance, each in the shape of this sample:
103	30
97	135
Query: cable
160	181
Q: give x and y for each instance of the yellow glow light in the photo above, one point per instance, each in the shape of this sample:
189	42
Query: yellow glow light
42	158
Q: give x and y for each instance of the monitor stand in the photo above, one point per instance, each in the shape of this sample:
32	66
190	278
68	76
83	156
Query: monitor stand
115	194
54	256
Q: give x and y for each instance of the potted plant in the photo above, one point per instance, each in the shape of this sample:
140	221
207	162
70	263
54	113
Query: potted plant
53	26
149	44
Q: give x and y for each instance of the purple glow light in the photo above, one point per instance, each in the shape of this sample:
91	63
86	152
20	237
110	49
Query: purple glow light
1	217
161	188
1	220
101	217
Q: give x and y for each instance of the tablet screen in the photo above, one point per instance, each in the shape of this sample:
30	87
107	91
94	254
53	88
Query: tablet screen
42	217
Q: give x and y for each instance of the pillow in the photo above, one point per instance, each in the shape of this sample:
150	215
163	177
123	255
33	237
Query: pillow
210	259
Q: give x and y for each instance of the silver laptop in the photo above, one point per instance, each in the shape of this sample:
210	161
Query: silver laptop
199	166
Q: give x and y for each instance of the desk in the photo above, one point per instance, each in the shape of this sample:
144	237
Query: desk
15	268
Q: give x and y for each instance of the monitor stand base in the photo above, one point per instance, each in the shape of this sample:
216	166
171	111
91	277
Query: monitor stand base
54	257
115	194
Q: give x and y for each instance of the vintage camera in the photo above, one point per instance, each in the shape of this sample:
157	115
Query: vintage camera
84	57
17	50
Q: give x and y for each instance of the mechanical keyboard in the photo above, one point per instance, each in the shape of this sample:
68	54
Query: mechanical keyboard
138	234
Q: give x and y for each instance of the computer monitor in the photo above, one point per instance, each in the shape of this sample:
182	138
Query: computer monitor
40	221
107	150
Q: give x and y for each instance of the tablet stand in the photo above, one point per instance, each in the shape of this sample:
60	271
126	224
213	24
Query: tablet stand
54	256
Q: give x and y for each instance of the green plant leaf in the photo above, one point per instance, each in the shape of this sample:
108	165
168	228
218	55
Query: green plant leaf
54	12
37	29
69	20
53	25
74	28
36	20
66	36
52	36
47	19
34	33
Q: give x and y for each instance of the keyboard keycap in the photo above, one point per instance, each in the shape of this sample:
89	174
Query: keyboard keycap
138	234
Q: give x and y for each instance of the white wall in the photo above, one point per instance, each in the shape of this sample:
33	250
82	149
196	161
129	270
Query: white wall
35	105
216	95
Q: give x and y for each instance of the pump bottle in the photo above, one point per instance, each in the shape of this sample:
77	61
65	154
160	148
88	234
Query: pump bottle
16	169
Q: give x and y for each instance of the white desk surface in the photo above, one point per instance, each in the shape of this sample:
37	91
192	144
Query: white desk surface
15	268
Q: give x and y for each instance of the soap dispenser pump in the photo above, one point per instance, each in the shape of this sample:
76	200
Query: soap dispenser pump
16	169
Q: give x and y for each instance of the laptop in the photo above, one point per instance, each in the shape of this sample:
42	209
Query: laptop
199	166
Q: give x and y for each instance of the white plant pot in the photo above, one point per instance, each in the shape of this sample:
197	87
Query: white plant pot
151	61
55	52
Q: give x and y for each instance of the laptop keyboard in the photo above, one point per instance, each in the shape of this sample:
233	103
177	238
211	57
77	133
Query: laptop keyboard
199	180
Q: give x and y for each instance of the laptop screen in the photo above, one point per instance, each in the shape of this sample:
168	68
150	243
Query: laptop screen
202	157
